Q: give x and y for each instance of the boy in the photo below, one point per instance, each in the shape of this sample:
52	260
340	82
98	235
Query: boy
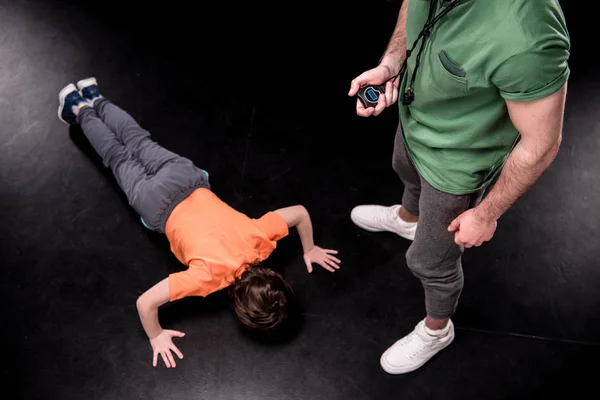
221	246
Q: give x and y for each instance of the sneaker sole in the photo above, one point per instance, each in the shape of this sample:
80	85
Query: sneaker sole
61	99
390	369
82	84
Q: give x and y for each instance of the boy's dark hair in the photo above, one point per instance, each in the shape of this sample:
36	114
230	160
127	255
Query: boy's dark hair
262	299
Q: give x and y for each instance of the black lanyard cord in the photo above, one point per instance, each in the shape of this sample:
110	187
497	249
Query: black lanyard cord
425	32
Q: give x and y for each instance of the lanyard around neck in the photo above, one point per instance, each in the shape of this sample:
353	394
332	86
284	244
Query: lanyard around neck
409	93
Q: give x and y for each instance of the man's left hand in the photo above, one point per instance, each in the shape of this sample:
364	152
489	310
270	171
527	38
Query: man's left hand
472	230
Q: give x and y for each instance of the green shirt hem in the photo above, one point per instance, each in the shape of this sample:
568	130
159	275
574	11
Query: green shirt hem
455	191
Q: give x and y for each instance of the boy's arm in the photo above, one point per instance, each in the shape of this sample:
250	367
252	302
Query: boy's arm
161	340
297	216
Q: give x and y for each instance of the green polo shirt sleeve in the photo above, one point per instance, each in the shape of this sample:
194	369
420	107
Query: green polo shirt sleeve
538	70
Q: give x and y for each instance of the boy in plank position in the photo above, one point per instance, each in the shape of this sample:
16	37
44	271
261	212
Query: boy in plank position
220	246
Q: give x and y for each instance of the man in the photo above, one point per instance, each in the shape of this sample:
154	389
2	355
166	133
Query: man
483	98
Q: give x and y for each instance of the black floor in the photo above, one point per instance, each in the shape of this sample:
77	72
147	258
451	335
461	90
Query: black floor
257	96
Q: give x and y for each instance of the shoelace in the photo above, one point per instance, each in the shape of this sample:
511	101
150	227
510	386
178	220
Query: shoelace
411	347
385	214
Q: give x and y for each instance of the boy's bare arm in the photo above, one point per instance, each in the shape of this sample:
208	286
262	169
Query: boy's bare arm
160	339
297	216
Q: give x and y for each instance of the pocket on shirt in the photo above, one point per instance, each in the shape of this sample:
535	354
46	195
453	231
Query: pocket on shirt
449	77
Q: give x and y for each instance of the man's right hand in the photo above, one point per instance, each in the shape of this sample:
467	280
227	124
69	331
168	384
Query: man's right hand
376	76
163	345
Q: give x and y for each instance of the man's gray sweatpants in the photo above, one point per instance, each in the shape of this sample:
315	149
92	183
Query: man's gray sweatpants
433	257
154	179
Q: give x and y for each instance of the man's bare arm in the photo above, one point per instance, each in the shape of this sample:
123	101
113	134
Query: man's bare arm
388	68
540	124
395	52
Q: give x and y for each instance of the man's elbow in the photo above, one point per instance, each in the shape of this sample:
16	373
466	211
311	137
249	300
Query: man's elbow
553	150
557	145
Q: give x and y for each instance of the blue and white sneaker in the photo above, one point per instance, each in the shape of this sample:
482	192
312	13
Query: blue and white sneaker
68	98
89	89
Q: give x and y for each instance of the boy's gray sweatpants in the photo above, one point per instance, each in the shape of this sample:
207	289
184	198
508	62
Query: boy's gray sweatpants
154	179
433	257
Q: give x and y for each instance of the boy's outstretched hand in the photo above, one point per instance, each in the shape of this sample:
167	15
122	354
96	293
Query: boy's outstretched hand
322	257
298	216
163	345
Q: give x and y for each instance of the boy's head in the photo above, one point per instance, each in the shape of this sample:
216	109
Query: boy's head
262	299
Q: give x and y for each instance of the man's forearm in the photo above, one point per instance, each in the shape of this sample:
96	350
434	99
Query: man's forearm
522	169
395	52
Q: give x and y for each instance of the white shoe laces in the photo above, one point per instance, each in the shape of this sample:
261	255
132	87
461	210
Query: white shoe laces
412	344
385	214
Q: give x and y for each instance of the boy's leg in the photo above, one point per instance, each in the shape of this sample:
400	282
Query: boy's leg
136	139
170	178
153	179
128	172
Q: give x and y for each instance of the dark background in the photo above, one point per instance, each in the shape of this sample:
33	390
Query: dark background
256	94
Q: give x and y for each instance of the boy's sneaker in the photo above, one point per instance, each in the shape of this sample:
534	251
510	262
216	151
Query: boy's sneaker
379	219
68	98
89	89
414	350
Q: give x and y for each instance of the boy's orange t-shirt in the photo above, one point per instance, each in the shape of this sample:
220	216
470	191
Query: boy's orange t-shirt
214	241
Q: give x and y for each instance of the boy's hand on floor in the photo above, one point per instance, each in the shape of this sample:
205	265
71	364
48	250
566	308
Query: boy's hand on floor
163	345
323	257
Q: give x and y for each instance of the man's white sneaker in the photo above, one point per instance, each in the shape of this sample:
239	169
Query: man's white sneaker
379	219
414	350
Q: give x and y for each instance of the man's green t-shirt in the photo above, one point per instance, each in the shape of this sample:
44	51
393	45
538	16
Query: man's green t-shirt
457	130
